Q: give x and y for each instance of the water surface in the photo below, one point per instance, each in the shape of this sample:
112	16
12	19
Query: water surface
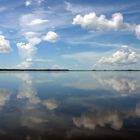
69	105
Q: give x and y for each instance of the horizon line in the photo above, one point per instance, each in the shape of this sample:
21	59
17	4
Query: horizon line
43	69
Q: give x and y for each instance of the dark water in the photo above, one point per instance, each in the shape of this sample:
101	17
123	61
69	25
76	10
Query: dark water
69	105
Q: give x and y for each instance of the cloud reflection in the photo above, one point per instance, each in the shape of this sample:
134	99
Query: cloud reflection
87	104
101	119
51	104
122	86
32	114
4	96
123	83
27	91
115	119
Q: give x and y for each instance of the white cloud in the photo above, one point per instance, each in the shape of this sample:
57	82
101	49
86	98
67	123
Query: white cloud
123	56
29	35
34	41
137	31
4	45
33	27
27	51
33	22
93	22
28	2
100	23
40	1
42	60
37	21
31	2
75	8
51	37
24	64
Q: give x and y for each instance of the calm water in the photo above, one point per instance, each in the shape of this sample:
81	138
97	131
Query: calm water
69	105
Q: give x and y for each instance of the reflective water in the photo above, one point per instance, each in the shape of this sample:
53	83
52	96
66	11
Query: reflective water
69	105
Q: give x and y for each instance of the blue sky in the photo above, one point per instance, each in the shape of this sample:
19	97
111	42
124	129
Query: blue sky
71	34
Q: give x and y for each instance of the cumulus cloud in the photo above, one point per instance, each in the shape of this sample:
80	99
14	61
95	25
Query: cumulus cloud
30	26
4	45
93	22
27	51
123	56
33	27
100	23
51	37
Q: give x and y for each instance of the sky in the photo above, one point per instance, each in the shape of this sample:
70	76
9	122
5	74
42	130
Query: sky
72	34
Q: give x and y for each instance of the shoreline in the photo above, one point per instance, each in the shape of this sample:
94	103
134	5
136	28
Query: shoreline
65	70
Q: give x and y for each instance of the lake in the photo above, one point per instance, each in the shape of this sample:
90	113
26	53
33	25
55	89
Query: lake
70	105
